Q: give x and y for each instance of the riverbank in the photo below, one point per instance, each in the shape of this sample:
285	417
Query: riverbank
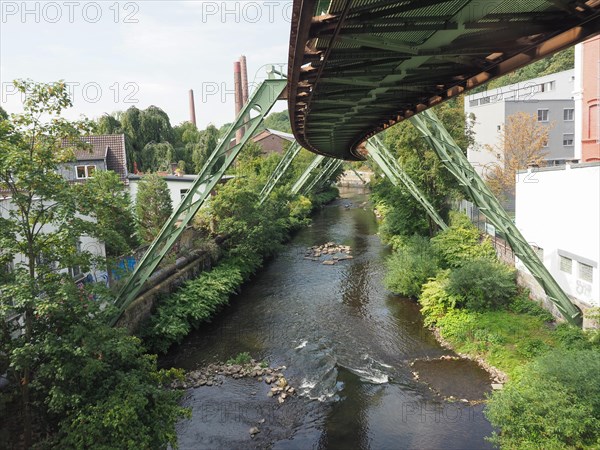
254	236
347	344
474	307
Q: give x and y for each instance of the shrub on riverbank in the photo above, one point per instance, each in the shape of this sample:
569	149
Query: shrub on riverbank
483	284
461	243
554	405
410	266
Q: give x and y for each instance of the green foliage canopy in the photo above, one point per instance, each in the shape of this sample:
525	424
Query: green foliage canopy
153	206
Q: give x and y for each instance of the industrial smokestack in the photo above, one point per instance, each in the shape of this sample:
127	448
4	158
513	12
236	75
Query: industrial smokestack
192	108
244	71
239	100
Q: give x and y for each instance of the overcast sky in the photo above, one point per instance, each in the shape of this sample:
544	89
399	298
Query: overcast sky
115	55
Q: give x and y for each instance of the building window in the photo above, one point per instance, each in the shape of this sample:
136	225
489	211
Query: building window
568	114
566	264
567	139
473	103
586	272
85	171
183	193
546	87
484	100
543	115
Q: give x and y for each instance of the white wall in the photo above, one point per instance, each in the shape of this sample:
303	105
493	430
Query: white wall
558	209
87	243
487	120
175	185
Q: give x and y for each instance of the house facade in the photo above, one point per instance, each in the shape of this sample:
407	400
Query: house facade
178	185
548	98
107	153
562	225
587	100
273	141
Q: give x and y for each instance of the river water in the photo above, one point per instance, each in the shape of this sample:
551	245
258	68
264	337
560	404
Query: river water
347	345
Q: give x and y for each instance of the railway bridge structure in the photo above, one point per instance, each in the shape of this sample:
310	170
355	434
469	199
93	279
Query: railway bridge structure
357	67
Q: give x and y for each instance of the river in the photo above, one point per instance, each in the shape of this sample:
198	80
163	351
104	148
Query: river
347	345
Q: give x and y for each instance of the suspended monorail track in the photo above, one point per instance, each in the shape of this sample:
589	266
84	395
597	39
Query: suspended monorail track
357	67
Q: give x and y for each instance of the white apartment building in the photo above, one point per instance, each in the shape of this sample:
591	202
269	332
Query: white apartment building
558	212
549	98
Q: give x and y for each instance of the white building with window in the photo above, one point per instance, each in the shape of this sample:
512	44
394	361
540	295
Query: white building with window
106	152
178	186
558	212
549	98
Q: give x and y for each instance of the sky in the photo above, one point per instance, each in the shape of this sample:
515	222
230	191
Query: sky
114	55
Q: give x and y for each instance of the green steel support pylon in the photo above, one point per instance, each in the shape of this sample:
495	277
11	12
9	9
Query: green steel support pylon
306	174
384	159
330	166
358	175
250	117
456	162
281	168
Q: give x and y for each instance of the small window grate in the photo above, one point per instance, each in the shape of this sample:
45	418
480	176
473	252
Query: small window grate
586	272
566	264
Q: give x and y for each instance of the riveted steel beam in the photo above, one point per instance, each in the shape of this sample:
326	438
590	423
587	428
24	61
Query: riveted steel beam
453	158
258	106
281	168
384	159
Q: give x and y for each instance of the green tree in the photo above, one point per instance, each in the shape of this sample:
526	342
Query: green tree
205	146
555	404
106	199
108	124
279	121
40	220
85	383
157	156
97	387
3	114
142	127
153	206
422	164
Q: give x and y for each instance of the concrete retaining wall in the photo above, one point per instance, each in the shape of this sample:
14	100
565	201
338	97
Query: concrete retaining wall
162	283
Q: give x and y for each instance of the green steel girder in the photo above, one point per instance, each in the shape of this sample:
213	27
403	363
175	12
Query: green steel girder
384	159
358	175
326	171
250	118
397	58
281	168
299	184
457	164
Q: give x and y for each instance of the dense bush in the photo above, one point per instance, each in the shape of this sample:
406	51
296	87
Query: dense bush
411	265
483	284
555	404
95	387
461	243
435	300
196	302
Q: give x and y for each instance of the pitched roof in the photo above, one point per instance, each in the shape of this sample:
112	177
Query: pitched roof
108	146
269	131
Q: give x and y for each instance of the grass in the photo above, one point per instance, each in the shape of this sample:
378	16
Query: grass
504	339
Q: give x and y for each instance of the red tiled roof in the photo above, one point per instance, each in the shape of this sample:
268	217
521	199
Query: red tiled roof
110	147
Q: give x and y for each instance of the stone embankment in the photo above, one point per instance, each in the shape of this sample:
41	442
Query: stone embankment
329	253
214	374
